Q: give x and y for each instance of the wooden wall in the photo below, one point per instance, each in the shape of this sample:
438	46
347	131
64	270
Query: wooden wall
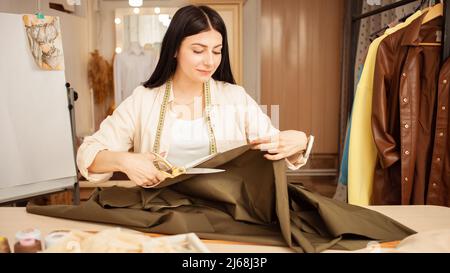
301	43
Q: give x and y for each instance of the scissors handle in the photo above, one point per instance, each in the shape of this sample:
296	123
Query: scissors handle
176	171
171	171
160	159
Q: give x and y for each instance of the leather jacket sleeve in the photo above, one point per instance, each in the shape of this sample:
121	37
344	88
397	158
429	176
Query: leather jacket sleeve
388	149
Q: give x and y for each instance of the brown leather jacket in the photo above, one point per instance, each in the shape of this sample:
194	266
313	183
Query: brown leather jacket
439	183
404	95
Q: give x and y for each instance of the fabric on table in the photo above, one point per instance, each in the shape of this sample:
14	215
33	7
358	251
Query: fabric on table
250	202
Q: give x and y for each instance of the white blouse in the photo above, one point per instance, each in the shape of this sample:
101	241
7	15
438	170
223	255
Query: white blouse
236	119
189	141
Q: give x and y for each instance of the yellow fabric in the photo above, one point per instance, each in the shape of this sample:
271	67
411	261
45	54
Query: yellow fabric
362	151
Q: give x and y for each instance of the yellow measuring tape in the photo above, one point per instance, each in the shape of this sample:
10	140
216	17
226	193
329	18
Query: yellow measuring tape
162	115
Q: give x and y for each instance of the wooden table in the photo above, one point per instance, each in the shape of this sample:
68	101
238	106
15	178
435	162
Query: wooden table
419	218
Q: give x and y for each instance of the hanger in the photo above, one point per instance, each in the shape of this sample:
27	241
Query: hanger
421	6
433	12
377	33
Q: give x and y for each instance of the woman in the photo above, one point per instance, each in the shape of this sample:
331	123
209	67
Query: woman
189	108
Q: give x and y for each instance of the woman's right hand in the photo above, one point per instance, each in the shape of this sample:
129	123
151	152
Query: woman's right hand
140	169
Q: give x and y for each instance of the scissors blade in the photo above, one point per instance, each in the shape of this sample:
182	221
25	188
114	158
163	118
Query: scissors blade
203	170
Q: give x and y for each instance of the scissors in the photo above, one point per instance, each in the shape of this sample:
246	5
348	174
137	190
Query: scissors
171	171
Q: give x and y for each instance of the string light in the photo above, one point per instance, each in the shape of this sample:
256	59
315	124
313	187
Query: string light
135	3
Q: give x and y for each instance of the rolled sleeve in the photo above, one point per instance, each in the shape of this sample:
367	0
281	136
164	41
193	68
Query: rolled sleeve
116	134
86	155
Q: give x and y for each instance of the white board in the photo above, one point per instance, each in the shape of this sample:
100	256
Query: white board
36	146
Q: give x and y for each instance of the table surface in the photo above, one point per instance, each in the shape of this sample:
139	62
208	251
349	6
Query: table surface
419	218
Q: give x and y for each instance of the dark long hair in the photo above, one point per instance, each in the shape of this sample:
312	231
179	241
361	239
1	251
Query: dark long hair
187	21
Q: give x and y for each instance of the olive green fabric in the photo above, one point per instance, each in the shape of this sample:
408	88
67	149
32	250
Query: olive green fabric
249	202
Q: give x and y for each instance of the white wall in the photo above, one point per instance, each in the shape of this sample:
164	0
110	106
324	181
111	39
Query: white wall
74	31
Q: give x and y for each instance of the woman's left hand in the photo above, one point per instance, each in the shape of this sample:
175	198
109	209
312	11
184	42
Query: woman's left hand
287	144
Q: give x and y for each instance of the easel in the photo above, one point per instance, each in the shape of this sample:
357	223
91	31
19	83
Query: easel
17	197
72	96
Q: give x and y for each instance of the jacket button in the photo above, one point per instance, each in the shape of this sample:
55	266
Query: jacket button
405	100
406	179
434	185
404	74
441	134
443	108
444	81
406	126
406	152
438	159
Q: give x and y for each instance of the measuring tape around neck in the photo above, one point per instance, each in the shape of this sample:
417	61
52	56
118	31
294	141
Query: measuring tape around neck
162	115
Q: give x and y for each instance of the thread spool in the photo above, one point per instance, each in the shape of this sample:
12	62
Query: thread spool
28	241
55	237
4	245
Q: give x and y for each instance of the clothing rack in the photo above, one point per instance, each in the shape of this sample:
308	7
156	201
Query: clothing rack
382	9
351	32
446	31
